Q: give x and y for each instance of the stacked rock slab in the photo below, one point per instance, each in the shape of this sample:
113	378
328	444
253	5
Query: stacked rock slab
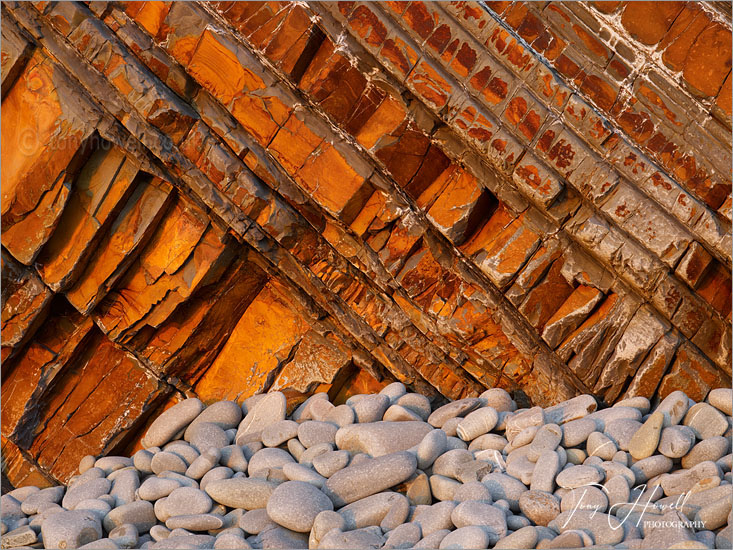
476	473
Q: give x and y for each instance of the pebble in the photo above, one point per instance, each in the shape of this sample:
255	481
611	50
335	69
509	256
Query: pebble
539	506
676	441
645	440
70	529
381	438
313	432
139	513
370	408
171	421
246	493
476	513
705	421
464	538
359	481
278	433
330	462
722	399
579	476
511	479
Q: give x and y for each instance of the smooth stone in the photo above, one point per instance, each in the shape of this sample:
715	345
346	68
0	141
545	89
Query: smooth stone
296	449
544	472
578	476
572	409
431	447
109	464
371	510
183	480
645	440
584	498
617	491
142	461
370	408
278	433
319	409
268	457
638	402
498	399
443	488
539	506
187	500
203	464
98	507
605	529
295	505
577	431
547	438
674	407
225	414
124	485
171	421
504	487
358	481
205	435
711	449
91	489
705	421
488	442
473	470
515	523
470	537
650	467
676	441
715	514
394	391
101	544
313	432
231	541
576	456
417	403
568	539
232	456
139	513
367	537
381	438
324	522
435	518
331	462
256	521
246	493
526	537
476	423
612	469
621	431
403	536
398	413
341	415
601	445
264	411
29	506
308	455
490	518
20	494
195	522
125	536
317	403
433	540
522	419
70	529
605	416
188	542
165	461
418	490
722	399
452	410
298	472
448	463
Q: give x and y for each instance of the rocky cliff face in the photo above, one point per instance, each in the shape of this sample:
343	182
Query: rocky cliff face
219	199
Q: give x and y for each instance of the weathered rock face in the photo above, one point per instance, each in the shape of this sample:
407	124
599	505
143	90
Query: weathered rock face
219	199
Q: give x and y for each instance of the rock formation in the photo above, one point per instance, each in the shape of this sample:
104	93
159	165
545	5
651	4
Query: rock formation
217	199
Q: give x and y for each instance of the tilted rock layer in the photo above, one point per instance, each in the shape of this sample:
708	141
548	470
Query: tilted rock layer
216	199
388	470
